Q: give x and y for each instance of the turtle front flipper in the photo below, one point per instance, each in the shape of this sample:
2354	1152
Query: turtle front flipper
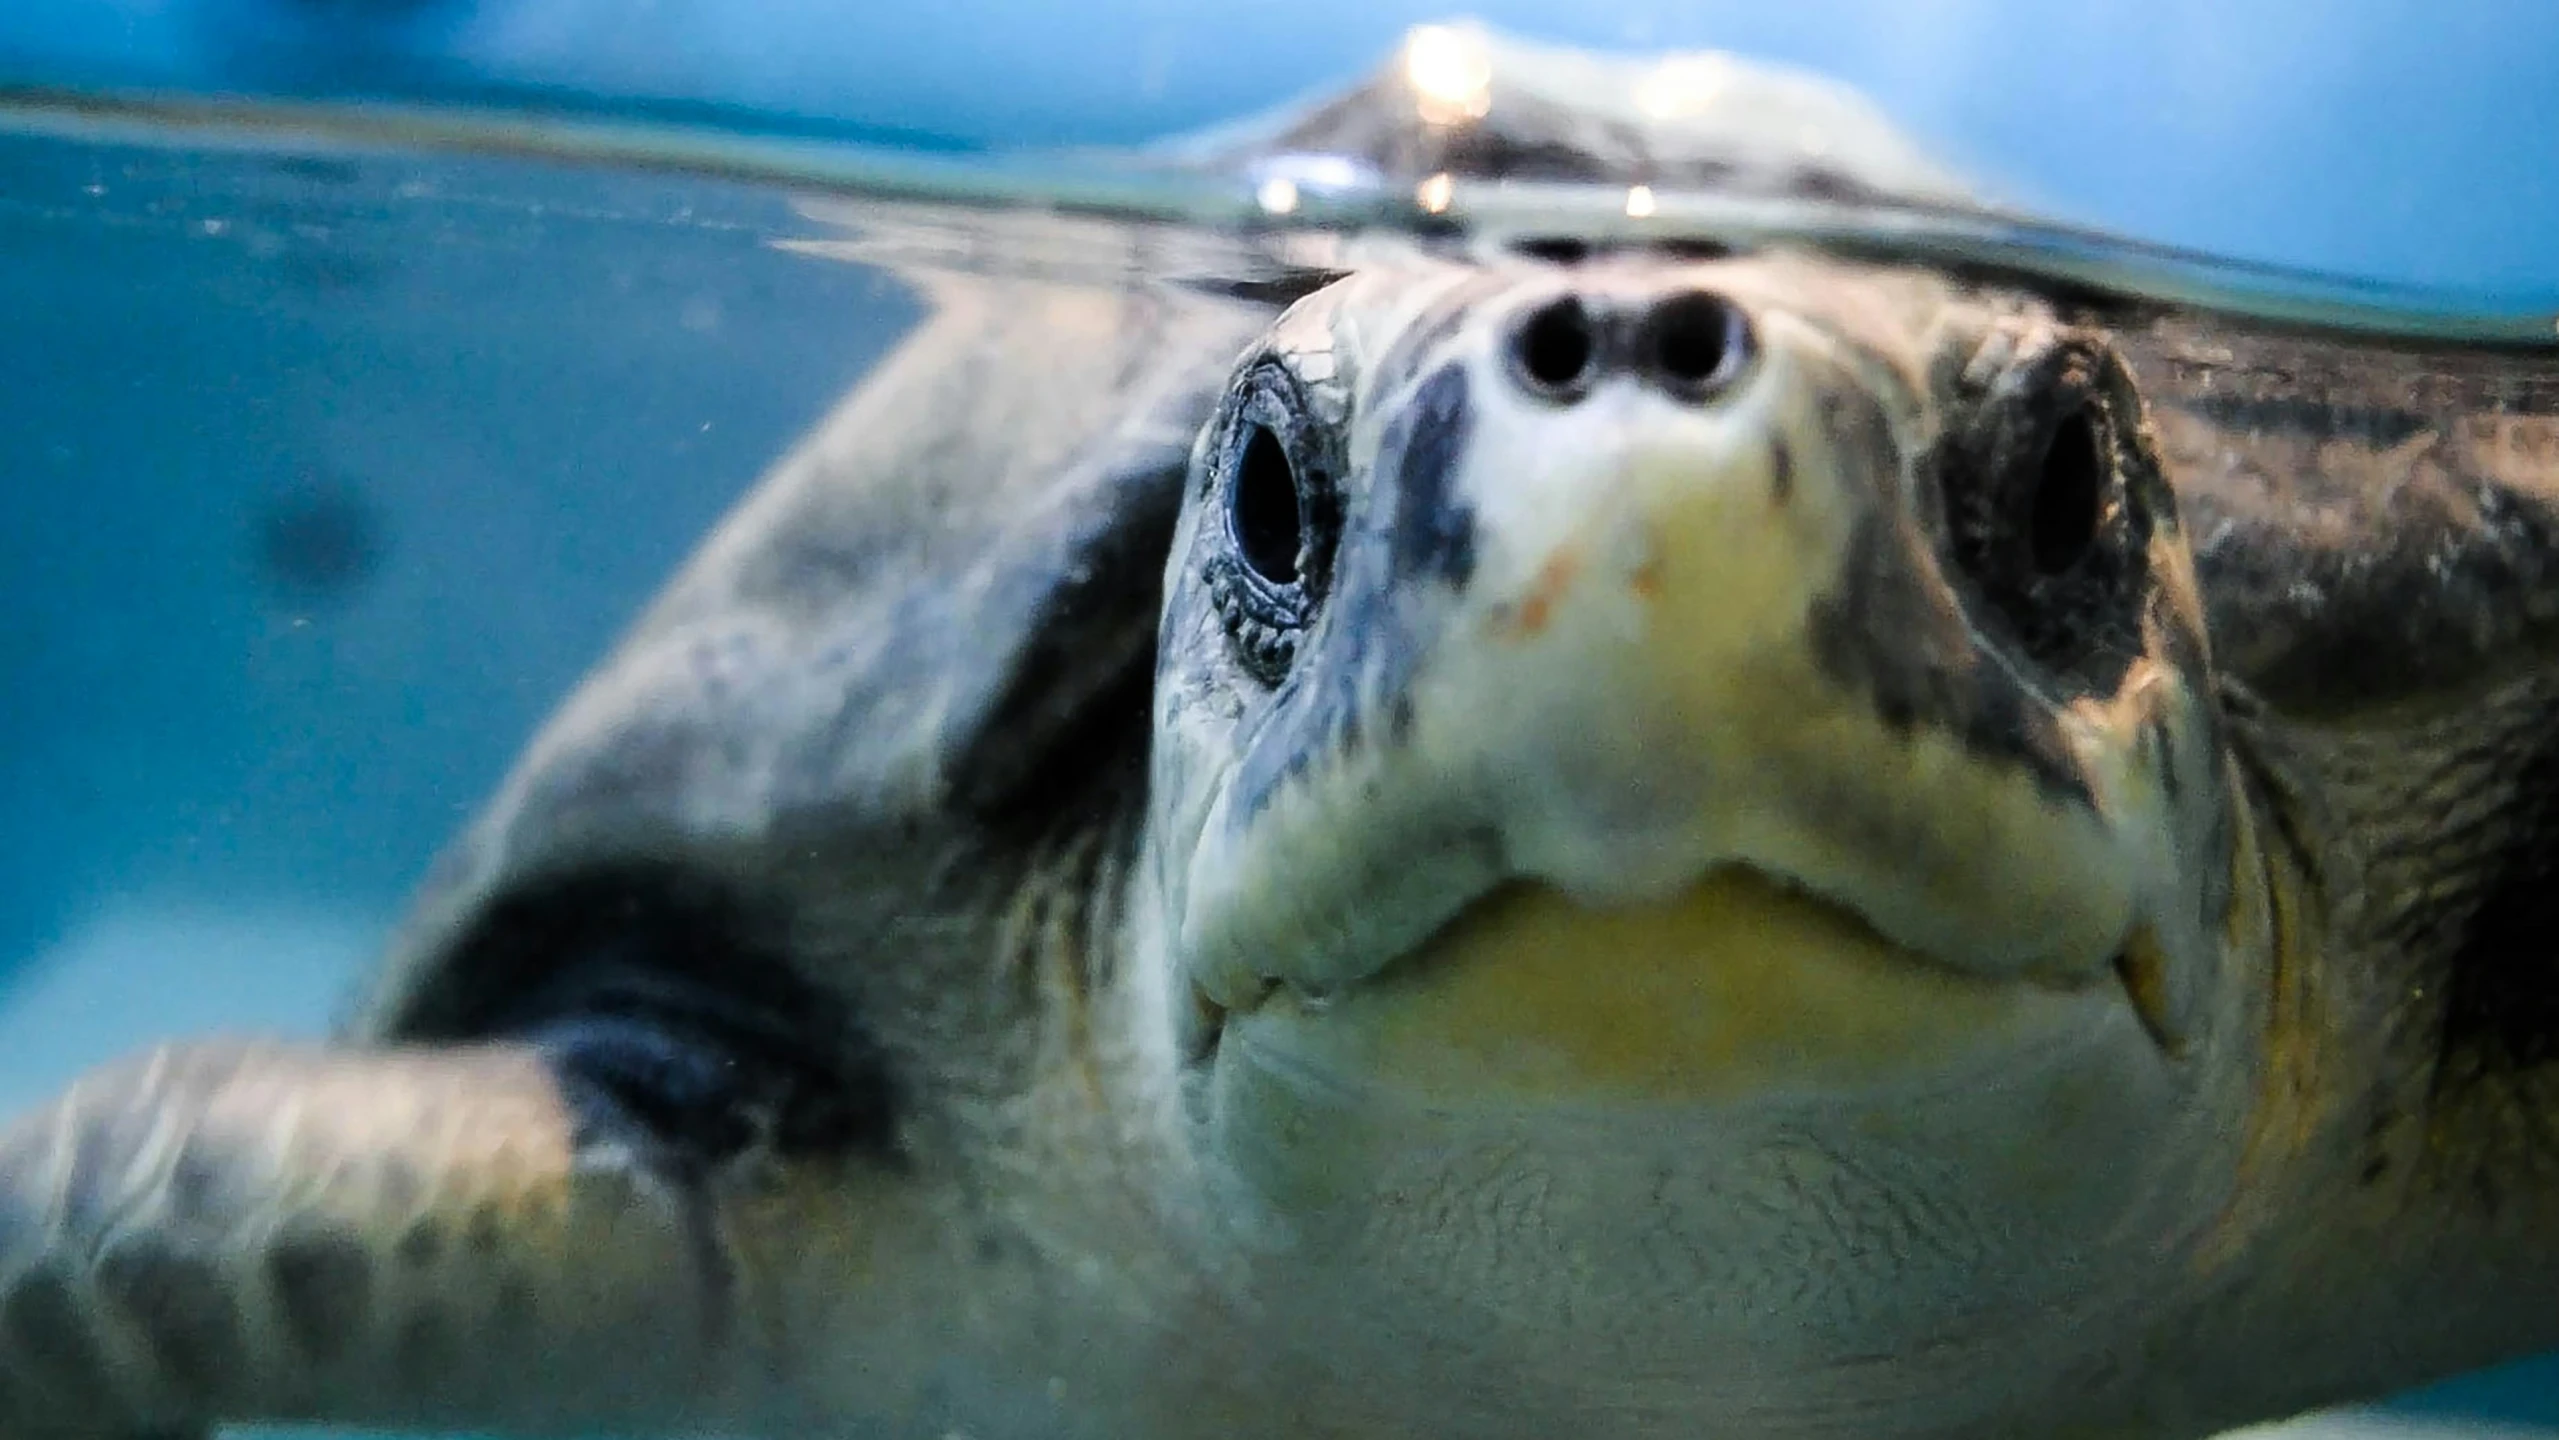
232	1231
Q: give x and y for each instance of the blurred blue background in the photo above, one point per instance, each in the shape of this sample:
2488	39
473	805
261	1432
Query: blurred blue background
2401	139
320	480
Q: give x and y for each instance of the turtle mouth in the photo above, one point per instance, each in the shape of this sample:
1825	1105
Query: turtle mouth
1740	947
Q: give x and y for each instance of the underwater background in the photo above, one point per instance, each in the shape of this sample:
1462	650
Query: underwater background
321	479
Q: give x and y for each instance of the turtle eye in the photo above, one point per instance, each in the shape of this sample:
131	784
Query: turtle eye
2048	514
1263	507
1275	493
2069	501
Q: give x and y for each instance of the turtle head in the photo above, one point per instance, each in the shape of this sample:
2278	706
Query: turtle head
1687	798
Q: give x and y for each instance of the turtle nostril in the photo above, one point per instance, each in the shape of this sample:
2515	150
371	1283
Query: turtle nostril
1695	343
1554	350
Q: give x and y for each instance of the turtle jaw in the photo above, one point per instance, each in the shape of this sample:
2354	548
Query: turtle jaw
1734	1135
1736	982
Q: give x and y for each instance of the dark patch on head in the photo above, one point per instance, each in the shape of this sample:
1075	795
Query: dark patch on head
1885	631
1434	529
1781	470
47	1330
1422	343
321	543
673	1018
181	1304
323	1286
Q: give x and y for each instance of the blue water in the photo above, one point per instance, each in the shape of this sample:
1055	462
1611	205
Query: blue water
2402	139
320	481
527	394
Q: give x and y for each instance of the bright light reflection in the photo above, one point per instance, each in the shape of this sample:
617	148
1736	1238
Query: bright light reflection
1639	202
1451	73
1278	195
1682	85
1435	193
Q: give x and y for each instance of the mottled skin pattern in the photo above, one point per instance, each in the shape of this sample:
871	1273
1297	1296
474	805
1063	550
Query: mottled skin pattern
1632	845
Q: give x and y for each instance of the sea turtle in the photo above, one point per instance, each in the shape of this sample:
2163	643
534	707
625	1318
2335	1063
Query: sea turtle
1606	841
